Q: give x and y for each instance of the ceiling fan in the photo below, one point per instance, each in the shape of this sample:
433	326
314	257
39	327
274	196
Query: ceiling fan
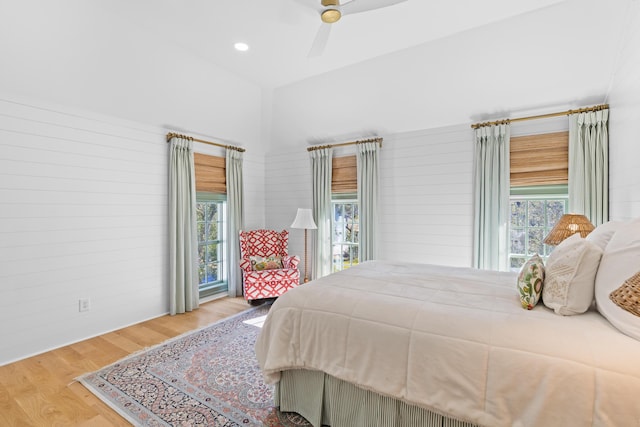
331	12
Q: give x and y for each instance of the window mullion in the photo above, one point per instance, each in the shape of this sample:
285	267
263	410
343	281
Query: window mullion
524	208
210	251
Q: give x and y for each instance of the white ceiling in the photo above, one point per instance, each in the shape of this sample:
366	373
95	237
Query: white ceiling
171	63
281	32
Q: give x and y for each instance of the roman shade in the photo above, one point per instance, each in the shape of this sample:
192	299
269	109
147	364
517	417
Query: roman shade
344	175
210	173
541	159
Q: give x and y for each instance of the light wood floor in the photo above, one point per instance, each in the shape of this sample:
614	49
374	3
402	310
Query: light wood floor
41	391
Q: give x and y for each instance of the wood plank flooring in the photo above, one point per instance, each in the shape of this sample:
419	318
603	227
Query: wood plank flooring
41	391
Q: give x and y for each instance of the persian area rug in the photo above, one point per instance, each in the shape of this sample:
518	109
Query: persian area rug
209	377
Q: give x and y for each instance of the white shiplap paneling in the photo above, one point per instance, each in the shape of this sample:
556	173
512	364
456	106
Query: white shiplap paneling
83	204
288	187
426	193
624	143
83	214
253	170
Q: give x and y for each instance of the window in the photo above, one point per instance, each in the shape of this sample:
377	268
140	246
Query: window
534	212
344	236
212	274
539	170
345	218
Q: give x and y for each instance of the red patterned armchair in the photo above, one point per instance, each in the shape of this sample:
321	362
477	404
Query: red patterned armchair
267	269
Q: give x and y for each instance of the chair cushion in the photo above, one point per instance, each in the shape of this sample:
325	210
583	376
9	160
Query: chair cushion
259	263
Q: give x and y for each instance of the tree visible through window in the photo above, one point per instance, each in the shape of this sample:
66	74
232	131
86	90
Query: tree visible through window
532	218
212	276
344	235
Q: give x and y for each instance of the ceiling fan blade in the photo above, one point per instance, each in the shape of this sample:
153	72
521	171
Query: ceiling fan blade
357	6
320	42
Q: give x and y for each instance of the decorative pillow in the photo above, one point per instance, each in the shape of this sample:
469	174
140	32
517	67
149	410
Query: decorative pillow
604	232
570	276
619	263
530	282
259	263
627	296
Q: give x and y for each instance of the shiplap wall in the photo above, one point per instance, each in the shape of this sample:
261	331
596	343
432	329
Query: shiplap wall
83	204
624	145
426	192
83	214
288	187
427	196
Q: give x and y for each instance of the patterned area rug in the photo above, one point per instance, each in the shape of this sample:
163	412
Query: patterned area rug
209	377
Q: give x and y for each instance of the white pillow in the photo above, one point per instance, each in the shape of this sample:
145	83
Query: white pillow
570	276
621	260
604	232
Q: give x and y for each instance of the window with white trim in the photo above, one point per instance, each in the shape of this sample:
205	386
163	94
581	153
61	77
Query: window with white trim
539	172
534	212
344	231
211	232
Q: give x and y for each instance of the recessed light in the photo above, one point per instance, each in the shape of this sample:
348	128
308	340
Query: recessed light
242	47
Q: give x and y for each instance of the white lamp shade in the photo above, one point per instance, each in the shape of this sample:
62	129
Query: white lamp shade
304	219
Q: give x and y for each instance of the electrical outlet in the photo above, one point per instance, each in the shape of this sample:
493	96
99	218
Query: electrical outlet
84	304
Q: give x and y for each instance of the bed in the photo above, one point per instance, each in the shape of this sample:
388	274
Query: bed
395	343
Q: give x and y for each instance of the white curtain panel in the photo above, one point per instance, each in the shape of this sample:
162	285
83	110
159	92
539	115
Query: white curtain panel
368	184
321	193
491	197
235	219
589	165
183	264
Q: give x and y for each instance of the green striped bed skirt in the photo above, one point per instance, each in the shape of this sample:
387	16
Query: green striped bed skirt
325	400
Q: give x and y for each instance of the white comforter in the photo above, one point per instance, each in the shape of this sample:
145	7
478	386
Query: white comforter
455	341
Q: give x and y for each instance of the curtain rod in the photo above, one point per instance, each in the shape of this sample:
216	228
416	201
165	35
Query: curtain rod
362	141
542	116
177	135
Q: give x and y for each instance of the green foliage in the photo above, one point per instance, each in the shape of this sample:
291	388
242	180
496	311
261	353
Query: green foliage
531	220
345	234
209	234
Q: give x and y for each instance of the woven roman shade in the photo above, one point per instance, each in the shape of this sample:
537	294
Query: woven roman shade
210	173
344	177
539	159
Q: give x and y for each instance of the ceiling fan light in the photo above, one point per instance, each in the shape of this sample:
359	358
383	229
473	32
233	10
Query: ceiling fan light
329	16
